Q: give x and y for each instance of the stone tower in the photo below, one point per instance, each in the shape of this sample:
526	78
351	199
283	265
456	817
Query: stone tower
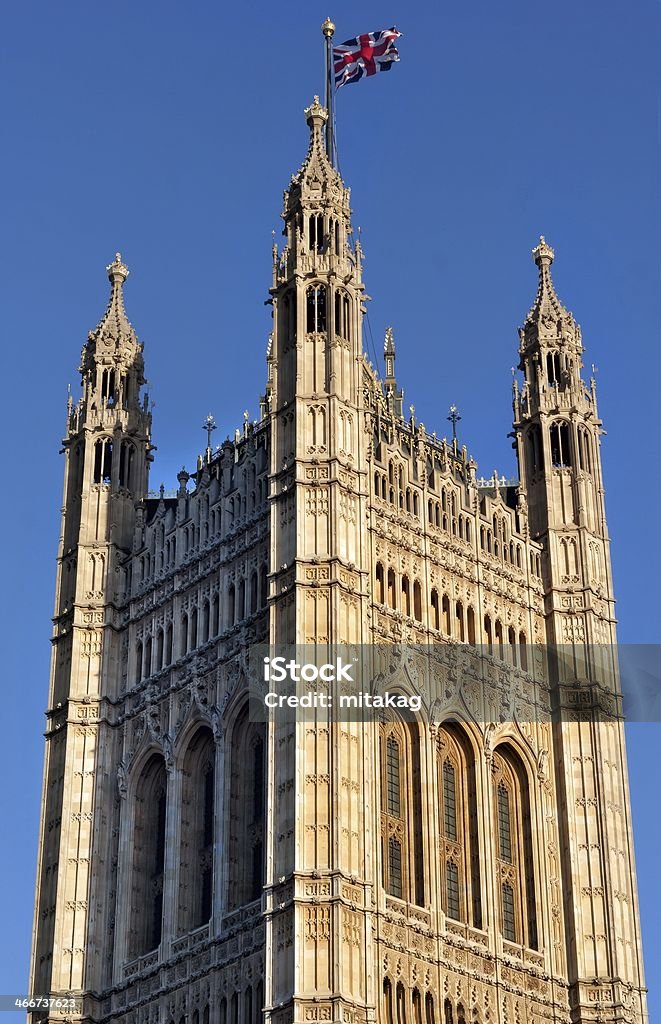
200	864
107	453
558	437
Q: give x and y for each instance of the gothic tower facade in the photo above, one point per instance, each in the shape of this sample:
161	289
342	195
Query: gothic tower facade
200	865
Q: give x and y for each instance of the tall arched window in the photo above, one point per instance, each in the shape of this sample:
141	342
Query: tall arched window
470	624
553	367
103	461
315	309
416	1000
138	661
316	232
184	634
460	862
417	601
247	802
126	454
387	1001
523	652
197	830
168	644
401	812
392	596
459	621
435	611
148	858
535	449
513	848
584	460
447	623
380	584
406	596
401	1003
488	634
560	449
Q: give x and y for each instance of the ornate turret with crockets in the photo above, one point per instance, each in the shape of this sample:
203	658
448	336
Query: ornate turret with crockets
107	452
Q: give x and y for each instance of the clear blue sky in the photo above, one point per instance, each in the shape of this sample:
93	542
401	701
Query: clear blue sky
169	131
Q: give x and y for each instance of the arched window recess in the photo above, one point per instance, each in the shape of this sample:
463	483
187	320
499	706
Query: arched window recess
513	848
315	298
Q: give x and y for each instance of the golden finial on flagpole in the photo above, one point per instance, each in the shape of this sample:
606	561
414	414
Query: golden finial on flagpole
328	28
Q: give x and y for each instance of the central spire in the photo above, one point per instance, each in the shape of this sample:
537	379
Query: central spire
548	322
317	169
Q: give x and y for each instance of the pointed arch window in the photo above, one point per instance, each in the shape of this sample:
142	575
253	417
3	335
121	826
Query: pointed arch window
401	1003
315	309
247	803
447	626
197	830
387	1001
148	858
535	449
584	460
459	621
470	624
316	233
103	461
392	597
513	848
435	610
126	454
417	1006
460	861
380	584
401	812
553	367
342	315
184	633
523	652
406	596
108	386
560	448
417	601
488	634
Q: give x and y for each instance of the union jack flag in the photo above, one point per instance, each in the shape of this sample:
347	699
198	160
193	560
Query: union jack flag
364	55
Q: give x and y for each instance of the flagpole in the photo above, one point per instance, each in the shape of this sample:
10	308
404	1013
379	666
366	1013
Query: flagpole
328	28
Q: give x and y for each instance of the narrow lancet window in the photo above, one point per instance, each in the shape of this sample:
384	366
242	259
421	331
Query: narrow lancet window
316	309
